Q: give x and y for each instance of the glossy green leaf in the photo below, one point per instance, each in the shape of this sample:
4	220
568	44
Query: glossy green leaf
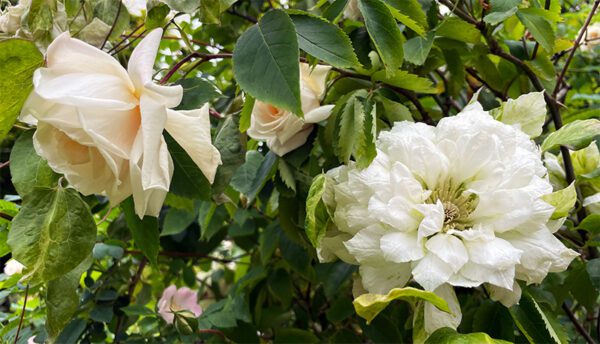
407	21
232	152
18	60
196	92
144	231
501	10
324	40
447	335
533	322
52	234
365	145
246	114
411	9
317	217
384	32
406	80
188	180
349	123
575	135
540	28
265	62
417	48
458	29
29	170
369	305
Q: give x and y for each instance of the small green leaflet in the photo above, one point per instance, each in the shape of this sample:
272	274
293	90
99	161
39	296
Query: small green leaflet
384	32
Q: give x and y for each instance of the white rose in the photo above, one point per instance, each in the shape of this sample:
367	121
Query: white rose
10	20
454	205
284	131
591	37
13	267
102	125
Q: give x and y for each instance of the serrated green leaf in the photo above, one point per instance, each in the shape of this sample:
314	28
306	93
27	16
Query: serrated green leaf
540	27
458	29
317	217
254	173
324	40
407	21
575	135
52	234
144	231
501	10
384	32
411	9
365	146
369	305
18	60
62	299
265	62
287	174
417	48
562	200
405	80
349	123
533	322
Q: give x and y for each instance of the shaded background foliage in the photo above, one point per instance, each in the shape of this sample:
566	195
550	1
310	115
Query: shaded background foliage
241	242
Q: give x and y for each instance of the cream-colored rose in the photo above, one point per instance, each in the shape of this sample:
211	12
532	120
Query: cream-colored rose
102	125
591	37
13	267
284	131
10	20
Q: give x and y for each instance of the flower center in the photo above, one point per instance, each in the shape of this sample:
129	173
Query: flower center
458	205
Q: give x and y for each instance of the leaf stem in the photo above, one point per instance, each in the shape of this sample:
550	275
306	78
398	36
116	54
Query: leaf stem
22	314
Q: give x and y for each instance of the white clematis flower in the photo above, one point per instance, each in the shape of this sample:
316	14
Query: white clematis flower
284	131
10	19
102	125
454	205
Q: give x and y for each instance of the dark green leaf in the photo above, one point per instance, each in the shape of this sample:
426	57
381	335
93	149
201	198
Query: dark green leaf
52	234
188	180
265	62
156	16
229	145
29	170
324	40
458	29
177	221
196	92
384	31
540	28
417	48
501	10
144	231
533	322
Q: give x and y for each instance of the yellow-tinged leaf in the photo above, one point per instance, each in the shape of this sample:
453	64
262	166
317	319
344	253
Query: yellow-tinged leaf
369	305
562	200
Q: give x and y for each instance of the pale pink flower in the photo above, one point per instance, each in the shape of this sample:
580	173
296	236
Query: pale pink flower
174	300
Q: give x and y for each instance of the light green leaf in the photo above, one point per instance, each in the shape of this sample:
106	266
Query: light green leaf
265	62
246	114
29	170
533	322
62	299
458	29
407	21
384	32
156	15
196	92
501	10
417	48
317	217
365	145
286	174
528	113
18	60
447	335
411	9
210	10
562	200
575	135
324	40
187	6
369	305
540	28
405	80
144	231
349	123
52	234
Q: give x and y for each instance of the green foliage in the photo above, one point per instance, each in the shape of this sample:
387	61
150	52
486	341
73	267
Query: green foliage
271	48
144	231
28	170
18	59
52	234
575	135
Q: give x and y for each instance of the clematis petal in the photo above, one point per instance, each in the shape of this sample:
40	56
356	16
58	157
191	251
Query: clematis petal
401	247
191	129
448	248
365	245
506	297
435	319
431	272
380	279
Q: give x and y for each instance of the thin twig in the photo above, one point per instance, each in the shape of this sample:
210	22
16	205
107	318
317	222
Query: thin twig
578	326
582	32
212	331
22	314
4	164
134	280
126	37
105	216
203	57
112	28
6	216
476	76
186	255
125	46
